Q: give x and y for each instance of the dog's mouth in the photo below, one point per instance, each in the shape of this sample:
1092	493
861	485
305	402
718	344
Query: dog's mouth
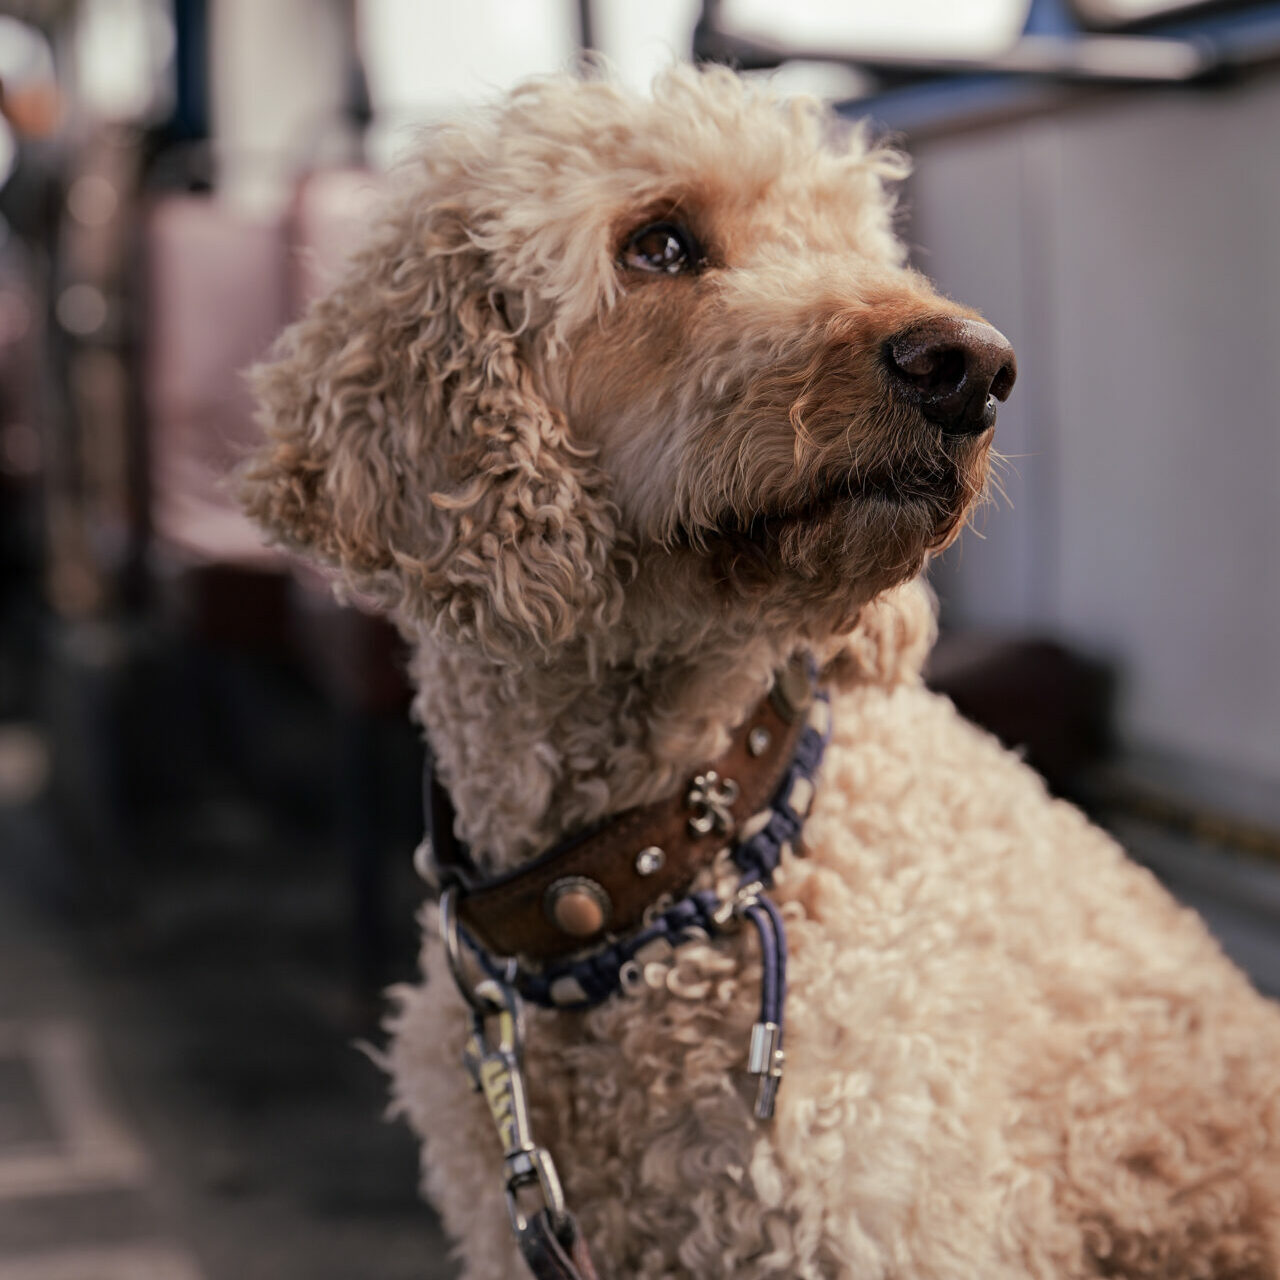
847	533
938	488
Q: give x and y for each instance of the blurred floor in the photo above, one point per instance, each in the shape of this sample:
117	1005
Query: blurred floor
181	1097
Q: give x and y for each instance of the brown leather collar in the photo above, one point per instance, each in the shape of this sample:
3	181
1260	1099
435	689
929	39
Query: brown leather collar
602	881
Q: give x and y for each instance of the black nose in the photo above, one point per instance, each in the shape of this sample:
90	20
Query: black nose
954	369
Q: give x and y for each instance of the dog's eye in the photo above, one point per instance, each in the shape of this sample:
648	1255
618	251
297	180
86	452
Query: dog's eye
661	246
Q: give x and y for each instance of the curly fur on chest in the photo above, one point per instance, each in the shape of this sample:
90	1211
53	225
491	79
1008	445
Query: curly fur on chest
1004	1058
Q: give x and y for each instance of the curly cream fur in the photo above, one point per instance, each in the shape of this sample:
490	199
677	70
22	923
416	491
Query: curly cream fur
604	506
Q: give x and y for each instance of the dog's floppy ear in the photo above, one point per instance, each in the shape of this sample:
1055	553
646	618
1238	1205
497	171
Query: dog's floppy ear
408	445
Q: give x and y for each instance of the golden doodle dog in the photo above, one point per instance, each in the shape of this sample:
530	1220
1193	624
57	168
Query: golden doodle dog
627	402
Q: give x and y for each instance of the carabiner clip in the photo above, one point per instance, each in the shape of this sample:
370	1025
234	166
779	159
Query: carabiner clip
495	1064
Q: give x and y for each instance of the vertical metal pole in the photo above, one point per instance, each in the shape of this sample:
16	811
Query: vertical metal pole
586	26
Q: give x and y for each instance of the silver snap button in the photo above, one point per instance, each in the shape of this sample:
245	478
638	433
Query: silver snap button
649	860
758	740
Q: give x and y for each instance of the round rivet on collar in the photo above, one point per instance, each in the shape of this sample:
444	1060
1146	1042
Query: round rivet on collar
649	860
577	906
758	740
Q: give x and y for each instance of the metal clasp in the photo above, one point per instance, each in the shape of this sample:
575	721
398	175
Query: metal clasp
451	936
495	1066
493	1058
765	1057
731	910
765	1060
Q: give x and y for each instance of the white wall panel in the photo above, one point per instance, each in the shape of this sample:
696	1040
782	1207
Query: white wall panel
1131	250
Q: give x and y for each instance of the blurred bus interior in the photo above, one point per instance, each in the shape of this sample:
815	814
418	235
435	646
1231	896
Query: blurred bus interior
208	781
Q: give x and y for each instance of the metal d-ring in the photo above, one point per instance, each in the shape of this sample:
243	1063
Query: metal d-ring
451	936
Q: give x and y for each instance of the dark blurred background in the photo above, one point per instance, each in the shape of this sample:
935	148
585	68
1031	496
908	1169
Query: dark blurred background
208	782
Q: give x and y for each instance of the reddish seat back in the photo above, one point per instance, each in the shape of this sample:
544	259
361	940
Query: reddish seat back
216	298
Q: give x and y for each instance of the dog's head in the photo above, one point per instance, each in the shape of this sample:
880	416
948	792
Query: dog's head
596	332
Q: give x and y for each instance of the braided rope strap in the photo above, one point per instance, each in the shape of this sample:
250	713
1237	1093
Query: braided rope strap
584	981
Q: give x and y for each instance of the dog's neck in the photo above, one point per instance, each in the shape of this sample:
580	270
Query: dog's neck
532	751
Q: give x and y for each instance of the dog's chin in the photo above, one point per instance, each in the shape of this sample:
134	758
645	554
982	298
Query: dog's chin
850	535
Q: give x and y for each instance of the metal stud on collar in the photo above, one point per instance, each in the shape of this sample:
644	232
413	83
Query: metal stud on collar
711	798
649	861
578	906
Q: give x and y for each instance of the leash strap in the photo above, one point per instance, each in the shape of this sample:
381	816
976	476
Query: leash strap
556	1257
